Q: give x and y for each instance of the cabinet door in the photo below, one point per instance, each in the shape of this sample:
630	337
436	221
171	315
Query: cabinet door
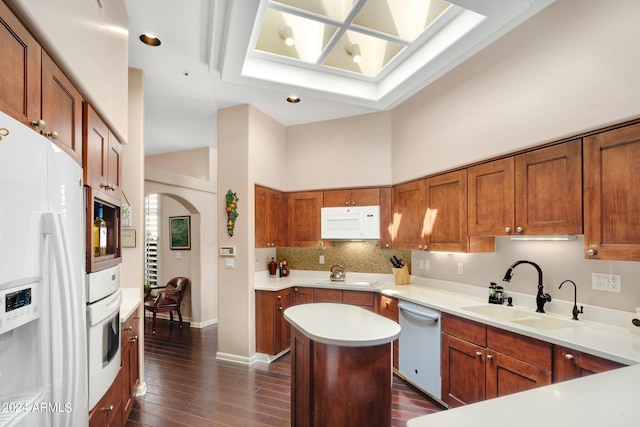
549	190
327	295
102	162
362	299
463	371
304	219
507	375
611	182
61	109
365	197
408	215
446	219
285	327
491	198
269	217
386	218
302	295
570	364
335	198
21	65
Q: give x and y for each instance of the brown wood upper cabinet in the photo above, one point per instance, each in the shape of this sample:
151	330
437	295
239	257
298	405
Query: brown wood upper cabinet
34	89
102	161
271	217
20	77
534	193
431	214
357	197
304	218
611	181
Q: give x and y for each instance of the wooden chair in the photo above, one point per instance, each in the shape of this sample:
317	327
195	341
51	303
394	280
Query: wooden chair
168	300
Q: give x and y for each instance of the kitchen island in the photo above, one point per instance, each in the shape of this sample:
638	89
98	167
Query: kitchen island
341	369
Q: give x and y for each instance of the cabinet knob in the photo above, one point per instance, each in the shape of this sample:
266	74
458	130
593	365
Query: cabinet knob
109	408
489	356
129	328
353	203
136	317
295	289
425	247
519	230
346	203
507	230
52	135
134	339
280	307
479	353
591	252
38	125
419	246
569	357
386	245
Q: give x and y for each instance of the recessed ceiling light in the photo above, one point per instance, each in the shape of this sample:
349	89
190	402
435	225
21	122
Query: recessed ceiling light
150	39
293	99
353	50
286	33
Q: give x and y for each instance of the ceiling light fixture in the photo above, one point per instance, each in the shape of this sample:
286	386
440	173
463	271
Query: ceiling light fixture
286	34
293	99
150	39
353	50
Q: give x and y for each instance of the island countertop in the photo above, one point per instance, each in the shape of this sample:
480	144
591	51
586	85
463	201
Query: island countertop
342	325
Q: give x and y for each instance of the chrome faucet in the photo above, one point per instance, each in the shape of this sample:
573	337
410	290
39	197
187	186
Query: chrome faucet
575	310
541	297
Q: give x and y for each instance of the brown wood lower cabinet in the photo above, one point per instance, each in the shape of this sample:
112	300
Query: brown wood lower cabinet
272	329
569	364
130	362
302	295
339	386
480	362
388	307
108	410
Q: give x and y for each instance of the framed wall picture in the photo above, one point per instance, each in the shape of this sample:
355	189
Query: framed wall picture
180	232
128	236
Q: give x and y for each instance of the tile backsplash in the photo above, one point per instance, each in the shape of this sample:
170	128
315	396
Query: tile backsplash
357	257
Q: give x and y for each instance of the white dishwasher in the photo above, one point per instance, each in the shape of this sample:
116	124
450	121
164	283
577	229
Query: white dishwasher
420	346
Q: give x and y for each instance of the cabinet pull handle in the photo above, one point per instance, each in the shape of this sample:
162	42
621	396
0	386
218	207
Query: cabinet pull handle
38	125
591	252
507	230
519	230
479	353
569	357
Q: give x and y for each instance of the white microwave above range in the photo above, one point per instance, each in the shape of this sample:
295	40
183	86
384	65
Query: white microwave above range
350	223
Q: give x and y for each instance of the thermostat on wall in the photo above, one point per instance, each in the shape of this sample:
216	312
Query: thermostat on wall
227	251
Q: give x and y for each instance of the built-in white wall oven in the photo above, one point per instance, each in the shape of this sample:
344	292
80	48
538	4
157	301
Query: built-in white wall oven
103	331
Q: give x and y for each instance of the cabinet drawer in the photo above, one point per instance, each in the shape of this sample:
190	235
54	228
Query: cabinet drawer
327	295
388	307
527	349
468	330
363	299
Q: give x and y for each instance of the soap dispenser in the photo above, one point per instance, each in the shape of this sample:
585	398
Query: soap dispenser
492	292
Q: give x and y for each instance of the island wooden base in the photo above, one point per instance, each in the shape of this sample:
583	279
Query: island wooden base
339	386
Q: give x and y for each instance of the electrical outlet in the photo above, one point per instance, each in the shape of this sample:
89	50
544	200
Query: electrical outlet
420	264
426	264
321	259
460	268
606	282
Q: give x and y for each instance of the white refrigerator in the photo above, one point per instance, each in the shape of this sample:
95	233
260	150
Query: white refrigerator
43	350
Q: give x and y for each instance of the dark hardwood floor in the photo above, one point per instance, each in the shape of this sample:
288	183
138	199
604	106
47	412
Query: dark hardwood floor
187	386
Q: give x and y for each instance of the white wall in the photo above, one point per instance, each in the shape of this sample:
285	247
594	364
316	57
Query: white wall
351	152
569	69
90	43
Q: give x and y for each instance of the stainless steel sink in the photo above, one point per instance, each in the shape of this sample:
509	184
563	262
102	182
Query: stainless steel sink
521	317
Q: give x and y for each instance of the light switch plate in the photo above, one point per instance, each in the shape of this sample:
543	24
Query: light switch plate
229	263
606	282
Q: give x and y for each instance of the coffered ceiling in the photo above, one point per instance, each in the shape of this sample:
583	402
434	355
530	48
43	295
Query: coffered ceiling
340	57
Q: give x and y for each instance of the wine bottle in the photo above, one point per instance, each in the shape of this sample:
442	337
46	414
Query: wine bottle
99	234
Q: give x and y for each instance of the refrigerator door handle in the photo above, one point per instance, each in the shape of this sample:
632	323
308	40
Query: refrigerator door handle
53	226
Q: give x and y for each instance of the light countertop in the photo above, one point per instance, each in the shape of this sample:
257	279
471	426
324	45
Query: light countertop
609	398
601	332
342	325
131	299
